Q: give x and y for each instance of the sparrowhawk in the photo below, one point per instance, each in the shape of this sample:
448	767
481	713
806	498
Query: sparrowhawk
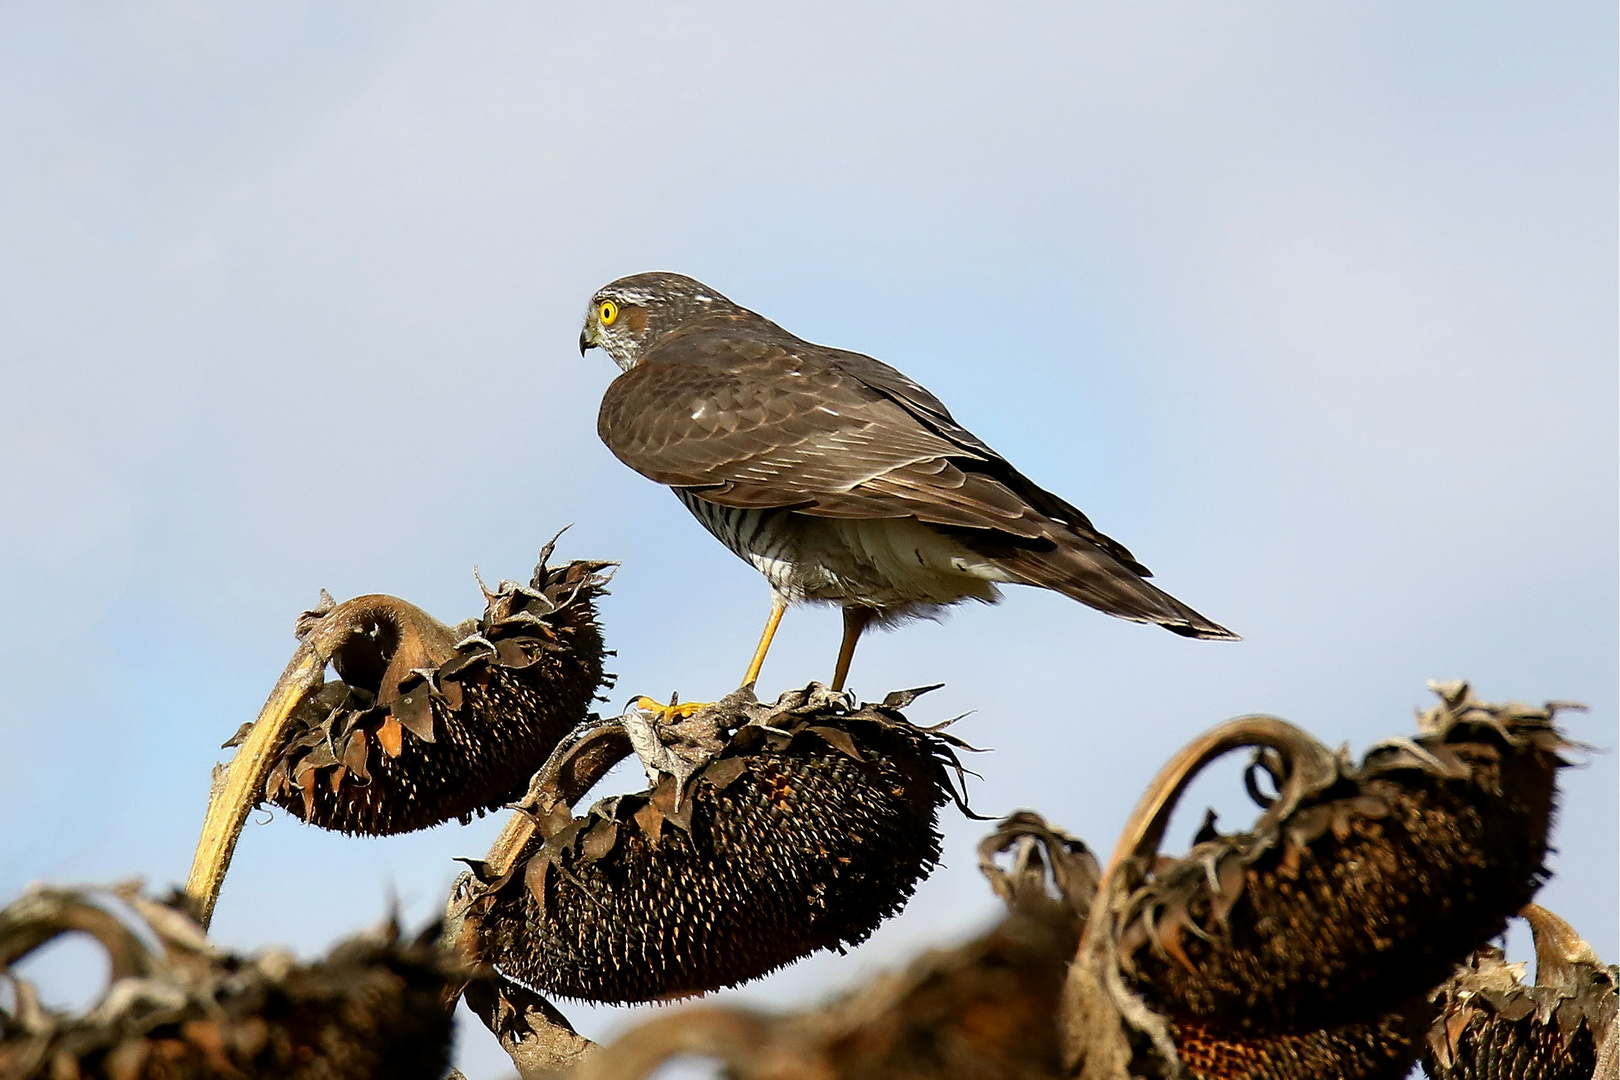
834	475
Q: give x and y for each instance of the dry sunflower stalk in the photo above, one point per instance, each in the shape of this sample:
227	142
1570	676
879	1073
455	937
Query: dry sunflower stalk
176	1007
767	832
1494	1026
1308	945
423	724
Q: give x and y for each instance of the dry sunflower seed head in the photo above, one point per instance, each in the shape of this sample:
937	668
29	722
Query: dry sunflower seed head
1380	1048
426	723
1369	889
984	1009
1494	1026
798	826
1307	946
177	1007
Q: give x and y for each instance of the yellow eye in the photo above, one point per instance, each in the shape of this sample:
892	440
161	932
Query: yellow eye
607	312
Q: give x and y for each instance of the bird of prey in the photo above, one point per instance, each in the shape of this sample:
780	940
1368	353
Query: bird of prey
834	475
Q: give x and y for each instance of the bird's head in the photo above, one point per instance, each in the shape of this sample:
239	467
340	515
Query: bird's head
630	315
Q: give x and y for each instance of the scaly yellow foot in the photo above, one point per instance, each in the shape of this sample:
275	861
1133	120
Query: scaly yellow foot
676	709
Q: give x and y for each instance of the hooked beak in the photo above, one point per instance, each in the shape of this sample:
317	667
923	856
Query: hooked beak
587	340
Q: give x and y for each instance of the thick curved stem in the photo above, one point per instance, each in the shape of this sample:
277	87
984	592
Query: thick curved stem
230	803
583	757
1310	767
539	1039
744	1040
42	915
1558	950
417	640
1096	1001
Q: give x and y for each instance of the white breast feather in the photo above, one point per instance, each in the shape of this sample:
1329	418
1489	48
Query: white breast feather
920	563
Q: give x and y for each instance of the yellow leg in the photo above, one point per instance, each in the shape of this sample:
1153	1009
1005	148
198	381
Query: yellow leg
668	714
856	619
777	608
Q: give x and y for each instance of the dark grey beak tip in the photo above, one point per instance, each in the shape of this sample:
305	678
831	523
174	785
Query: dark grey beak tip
584	343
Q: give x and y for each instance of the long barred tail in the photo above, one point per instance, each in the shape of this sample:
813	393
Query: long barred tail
1086	573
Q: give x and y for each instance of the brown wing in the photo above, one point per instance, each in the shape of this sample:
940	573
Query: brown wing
744	414
931	412
747	415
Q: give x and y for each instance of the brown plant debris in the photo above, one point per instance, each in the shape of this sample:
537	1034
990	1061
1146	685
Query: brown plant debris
769	832
375	1007
1318	933
539	1039
427	723
1494	1026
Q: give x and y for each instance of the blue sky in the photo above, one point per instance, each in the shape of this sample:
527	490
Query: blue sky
1313	307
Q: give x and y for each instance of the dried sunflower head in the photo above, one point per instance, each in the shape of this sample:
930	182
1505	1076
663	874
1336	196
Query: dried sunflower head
423	724
777	831
984	1009
374	1008
1307	945
1494	1026
426	723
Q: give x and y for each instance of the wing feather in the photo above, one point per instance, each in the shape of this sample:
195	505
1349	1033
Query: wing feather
747	415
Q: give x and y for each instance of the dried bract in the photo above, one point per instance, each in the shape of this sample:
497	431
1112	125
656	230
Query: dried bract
1494	1026
771	832
374	1008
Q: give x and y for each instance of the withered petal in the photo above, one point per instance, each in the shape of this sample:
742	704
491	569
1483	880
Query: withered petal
354	754
414	712
722	772
390	736
599	840
839	739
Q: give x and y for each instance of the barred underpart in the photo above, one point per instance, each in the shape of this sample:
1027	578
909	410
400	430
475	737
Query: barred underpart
427	723
372	1010
770	832
1494	1026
